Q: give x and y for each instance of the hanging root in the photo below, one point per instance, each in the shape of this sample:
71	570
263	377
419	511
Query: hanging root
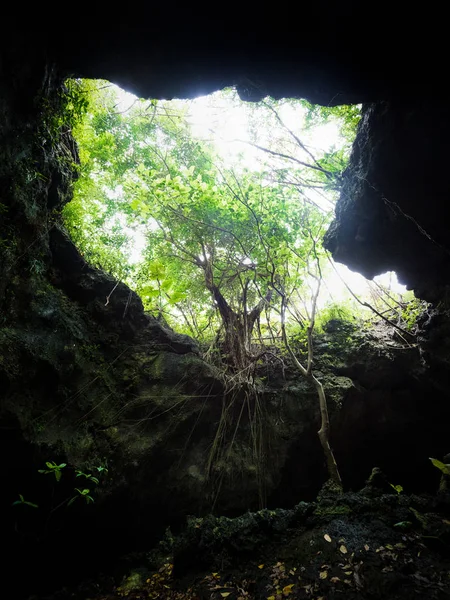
241	406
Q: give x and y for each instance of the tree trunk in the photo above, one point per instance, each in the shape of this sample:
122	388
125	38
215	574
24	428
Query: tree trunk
238	327
324	434
324	431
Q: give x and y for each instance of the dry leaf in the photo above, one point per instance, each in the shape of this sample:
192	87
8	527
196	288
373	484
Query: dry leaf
260	566
327	537
343	549
335	579
446	522
288	589
323	574
366	547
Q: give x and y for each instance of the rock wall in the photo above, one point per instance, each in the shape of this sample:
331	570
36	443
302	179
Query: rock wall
393	212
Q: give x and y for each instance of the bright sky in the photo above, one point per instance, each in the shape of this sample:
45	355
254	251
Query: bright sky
218	118
223	119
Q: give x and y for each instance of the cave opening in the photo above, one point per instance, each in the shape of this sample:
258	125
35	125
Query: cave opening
135	152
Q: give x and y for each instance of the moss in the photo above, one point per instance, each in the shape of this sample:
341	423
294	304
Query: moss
132	583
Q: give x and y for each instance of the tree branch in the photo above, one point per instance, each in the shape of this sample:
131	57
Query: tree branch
369	306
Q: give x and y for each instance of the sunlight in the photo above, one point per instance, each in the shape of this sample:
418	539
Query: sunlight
390	281
125	100
336	282
244	137
226	121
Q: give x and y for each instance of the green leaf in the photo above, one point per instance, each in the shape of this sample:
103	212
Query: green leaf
403	524
177	297
156	270
441	466
397	488
58	475
166	284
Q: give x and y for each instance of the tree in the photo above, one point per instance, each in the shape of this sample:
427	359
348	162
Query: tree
286	276
226	249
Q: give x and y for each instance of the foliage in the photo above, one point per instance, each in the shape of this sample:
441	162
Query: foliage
444	468
412	308
346	115
24	502
85	493
53	469
82	493
88	476
72	107
397	488
334	312
145	176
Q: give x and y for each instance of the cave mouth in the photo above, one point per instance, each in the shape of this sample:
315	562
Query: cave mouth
147	166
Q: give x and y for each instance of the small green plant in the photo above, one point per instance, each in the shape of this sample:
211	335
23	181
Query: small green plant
397	488
441	466
85	493
411	311
53	468
24	502
102	469
87	476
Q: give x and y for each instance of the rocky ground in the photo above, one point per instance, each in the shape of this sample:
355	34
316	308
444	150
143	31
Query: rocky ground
368	545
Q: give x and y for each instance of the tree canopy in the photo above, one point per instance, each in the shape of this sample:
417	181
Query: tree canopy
212	232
